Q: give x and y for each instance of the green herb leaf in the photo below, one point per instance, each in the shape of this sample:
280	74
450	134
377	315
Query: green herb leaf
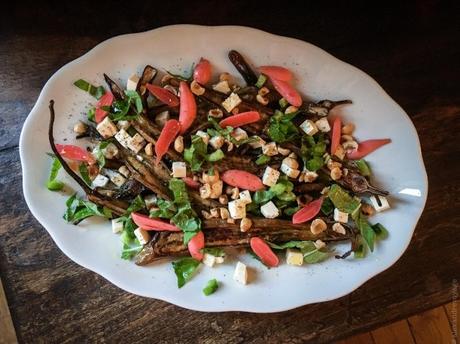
52	184
363	167
91	115
166	210
262	160
283	103
214	251
216	156
83	169
96	91
129	251
281	128
263	196
315	256
261	81
312	152
98	152
380	231
135	98
342	200
311	254
211	287
360	251
367	232
327	207
136	205
78	210
185	269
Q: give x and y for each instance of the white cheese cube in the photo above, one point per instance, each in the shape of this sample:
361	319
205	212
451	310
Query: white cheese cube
294	257
241	273
222	87
340	216
283	151
269	210
217	142
323	125
257	144
209	260
123	137
270	149
245	196
219	260
115	177
380	203
270	176
309	127
106	128
203	135
231	102
110	151
123	124
237	209
179	169
124	171
100	181
239	134
136	143
117	225
132	82
150	200
142	235
290	172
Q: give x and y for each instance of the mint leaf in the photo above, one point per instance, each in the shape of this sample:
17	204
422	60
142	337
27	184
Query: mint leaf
185	269
96	91
214	251
363	167
52	184
83	169
210	287
78	210
342	200
281	128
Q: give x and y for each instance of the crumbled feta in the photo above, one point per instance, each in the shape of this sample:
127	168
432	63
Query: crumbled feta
115	177
100	181
123	124
269	210
123	137
245	196
133	80
270	149
220	260
110	151
270	176
231	102
142	235
323	125
204	136
179	169
290	172
239	134
340	216
380	203
209	260
150	200
257	144
294	257
117	225
136	143
217	142
106	128
222	87
241	273
237	209
309	127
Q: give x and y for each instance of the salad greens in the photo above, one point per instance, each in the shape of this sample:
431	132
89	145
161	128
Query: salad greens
342	200
52	184
96	91
210	287
78	210
311	254
184	269
281	128
312	152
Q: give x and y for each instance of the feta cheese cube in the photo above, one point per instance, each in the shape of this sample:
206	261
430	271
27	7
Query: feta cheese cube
269	210
142	235
123	124
110	151
239	134
220	260
136	143
123	137
237	209
133	80
209	260
323	125
270	176
179	169
245	196
290	172
115	177
257	144
380	203
294	257
217	142
203	135
283	151
309	127
150	200
117	225
241	273
270	149
340	216
106	128
100	181
124	171
231	102
222	87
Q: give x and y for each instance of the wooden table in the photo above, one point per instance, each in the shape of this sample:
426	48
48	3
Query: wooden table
413	51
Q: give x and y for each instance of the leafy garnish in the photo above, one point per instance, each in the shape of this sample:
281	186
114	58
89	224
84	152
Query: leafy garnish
312	152
226	133
260	81
52	184
131	245
137	204
197	154
91	115
282	190
283	103
78	210
342	200
211	287
263	160
327	207
367	232
129	251
83	169
380	231
98	152
184	270
96	91
281	128
214	251
166	209
311	254
363	167
121	107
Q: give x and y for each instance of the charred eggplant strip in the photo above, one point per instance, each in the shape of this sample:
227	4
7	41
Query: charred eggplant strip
114	88
148	74
242	67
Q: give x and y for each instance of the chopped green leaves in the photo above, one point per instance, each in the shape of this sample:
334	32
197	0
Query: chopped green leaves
137	204
78	210
185	269
197	154
214	251
98	152
263	160
380	231
131	245
96	91
52	184
281	128
166	209
327	207
367	232
122	108
363	167
342	200
216	156
130	251
261	81
210	287
312	152
311	254
91	115
83	169
282	190
135	98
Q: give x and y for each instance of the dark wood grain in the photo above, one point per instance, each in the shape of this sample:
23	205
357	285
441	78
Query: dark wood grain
412	50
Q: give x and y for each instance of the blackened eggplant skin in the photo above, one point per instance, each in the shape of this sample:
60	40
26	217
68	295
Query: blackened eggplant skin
242	67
